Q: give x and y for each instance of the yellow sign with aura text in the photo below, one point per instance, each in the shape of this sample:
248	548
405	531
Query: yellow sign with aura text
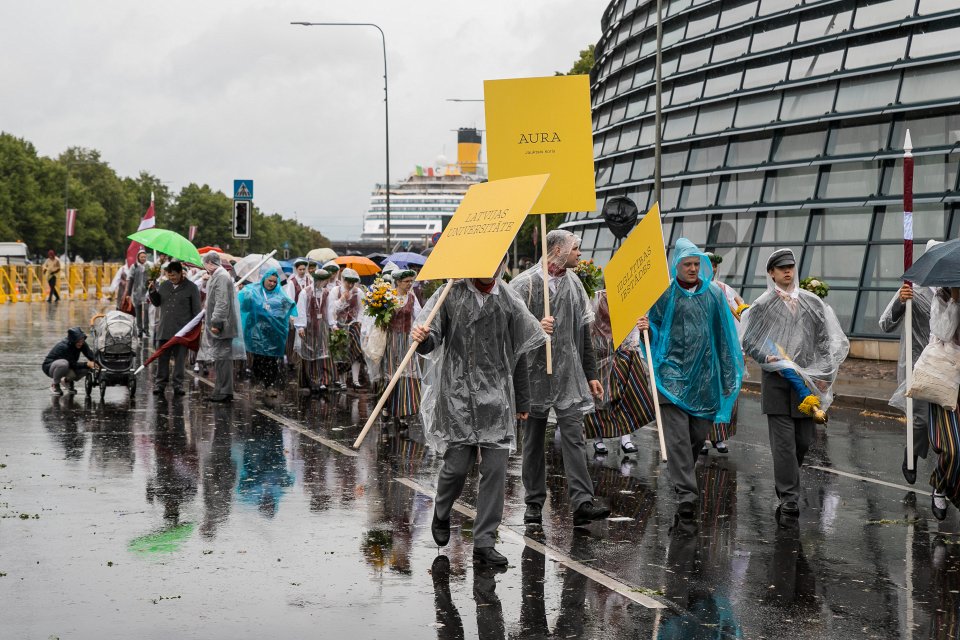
637	275
543	125
480	232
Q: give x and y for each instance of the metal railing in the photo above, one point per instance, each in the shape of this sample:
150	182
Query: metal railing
78	282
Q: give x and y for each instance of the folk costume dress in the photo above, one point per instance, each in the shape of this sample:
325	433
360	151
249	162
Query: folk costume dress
347	308
405	399
944	423
293	287
317	369
627	403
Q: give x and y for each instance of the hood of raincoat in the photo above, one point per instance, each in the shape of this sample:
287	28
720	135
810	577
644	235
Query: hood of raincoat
74	334
696	353
266	317
686	249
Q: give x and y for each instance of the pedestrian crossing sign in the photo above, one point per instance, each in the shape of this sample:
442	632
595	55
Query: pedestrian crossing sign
243	189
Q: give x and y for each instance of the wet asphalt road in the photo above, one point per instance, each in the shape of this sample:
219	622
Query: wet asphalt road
163	517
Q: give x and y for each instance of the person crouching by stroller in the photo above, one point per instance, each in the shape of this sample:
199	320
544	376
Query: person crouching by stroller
63	361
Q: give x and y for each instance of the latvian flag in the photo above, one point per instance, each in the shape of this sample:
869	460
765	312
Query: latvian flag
148	222
189	336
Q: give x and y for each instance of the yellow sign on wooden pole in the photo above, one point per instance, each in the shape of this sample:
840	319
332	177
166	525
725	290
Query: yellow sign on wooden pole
637	275
543	125
480	232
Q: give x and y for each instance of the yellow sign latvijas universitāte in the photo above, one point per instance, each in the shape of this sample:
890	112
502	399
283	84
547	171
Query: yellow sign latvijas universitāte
543	125
637	275
480	232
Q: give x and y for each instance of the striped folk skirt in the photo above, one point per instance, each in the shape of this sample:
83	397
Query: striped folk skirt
631	403
405	399
945	440
314	373
354	350
722	431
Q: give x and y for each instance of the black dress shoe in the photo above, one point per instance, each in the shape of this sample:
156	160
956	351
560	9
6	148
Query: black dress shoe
533	514
938	513
440	530
490	557
588	512
686	510
789	508
908	475
628	448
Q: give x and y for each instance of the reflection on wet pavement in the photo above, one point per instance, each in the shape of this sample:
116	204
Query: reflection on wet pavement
158	516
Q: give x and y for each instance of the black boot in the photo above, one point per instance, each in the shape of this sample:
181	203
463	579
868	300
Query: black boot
908	475
440	530
533	514
588	512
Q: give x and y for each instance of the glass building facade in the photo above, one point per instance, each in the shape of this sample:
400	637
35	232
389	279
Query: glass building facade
783	126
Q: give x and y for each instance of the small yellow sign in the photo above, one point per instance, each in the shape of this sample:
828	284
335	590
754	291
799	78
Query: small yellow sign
637	275
480	232
543	125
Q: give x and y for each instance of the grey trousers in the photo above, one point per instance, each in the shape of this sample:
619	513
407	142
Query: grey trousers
579	485
921	428
684	435
789	440
179	354
60	369
457	461
223	371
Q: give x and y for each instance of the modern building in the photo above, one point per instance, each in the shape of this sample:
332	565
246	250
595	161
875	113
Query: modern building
421	205
783	125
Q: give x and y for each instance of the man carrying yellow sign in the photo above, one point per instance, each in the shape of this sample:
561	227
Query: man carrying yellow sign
697	362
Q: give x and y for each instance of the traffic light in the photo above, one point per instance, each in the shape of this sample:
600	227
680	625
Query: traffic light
241	218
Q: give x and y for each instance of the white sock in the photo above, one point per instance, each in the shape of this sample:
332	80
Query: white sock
625	439
355	371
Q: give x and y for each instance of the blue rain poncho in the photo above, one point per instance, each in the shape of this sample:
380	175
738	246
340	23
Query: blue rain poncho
266	317
696	352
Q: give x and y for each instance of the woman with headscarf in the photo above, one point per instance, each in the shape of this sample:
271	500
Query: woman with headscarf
51	269
627	404
697	362
265	311
312	323
347	300
404	401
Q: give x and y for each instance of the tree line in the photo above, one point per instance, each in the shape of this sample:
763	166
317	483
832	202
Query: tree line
35	190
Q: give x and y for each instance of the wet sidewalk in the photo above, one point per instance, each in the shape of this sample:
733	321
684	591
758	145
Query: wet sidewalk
160	517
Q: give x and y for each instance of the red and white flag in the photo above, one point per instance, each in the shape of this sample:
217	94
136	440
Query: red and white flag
148	222
189	336
193	232
71	221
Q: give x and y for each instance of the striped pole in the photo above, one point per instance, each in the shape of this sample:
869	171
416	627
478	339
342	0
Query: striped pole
907	263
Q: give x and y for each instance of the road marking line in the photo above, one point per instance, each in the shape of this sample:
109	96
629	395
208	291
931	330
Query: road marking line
294	425
611	583
861	478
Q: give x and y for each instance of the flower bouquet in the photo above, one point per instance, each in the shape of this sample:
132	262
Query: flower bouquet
380	303
815	286
590	275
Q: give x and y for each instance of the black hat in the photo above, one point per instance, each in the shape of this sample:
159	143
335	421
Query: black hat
781	258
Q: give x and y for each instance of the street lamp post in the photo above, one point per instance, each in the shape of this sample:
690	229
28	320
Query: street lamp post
386	106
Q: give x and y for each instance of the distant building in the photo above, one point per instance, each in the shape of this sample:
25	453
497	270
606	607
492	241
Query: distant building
784	124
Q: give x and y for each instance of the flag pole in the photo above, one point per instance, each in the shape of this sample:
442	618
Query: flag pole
907	263
197	318
403	365
546	290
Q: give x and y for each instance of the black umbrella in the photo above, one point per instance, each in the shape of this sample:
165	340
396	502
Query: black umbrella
938	267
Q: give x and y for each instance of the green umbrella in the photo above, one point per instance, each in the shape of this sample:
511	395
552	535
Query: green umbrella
169	242
163	541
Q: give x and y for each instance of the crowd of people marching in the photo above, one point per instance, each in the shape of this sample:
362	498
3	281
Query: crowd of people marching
481	373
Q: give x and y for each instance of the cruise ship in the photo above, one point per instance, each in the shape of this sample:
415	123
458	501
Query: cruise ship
422	203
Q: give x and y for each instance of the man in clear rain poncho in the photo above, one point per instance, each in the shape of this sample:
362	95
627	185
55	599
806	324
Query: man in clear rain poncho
798	342
891	320
222	338
569	391
475	388
697	363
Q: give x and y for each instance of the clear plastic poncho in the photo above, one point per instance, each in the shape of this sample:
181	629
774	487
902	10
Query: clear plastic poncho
796	331
696	353
266	317
468	396
567	388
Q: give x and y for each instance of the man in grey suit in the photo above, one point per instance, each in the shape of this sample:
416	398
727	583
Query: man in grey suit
221	325
179	301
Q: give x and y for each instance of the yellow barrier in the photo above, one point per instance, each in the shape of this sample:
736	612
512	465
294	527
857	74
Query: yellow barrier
80	282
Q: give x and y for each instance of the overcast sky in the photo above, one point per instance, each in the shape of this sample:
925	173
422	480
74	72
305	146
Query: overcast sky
208	91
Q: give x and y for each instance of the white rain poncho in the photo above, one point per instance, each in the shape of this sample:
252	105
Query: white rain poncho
796	331
468	393
696	354
566	389
892	319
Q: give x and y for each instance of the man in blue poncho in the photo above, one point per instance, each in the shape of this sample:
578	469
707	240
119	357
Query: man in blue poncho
697	362
265	311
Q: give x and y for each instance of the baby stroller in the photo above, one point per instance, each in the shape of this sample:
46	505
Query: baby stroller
115	346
